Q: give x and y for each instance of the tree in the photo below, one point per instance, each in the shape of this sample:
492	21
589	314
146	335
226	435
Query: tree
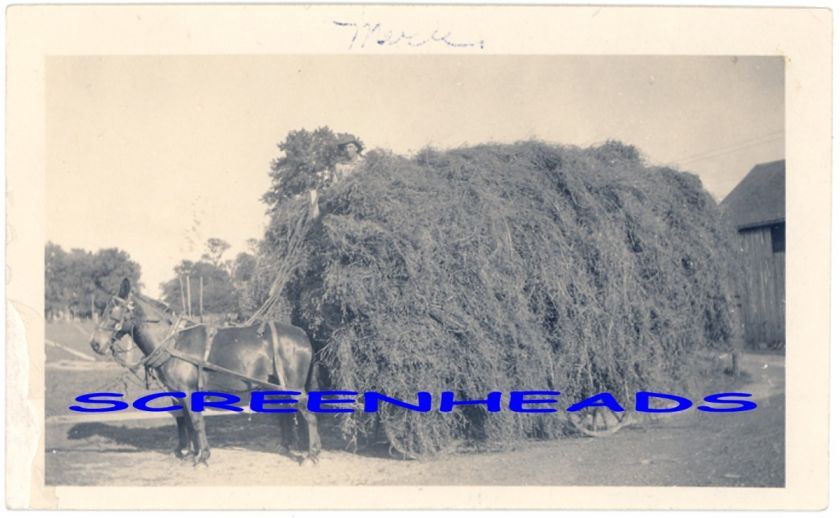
220	296
56	293
109	267
216	248
243	271
78	278
243	268
253	246
306	153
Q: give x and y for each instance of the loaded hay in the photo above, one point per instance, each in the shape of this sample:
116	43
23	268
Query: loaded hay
508	267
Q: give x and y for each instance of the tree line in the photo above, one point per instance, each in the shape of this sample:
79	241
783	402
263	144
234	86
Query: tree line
212	284
79	283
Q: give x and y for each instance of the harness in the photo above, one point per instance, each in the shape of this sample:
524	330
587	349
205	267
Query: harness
167	350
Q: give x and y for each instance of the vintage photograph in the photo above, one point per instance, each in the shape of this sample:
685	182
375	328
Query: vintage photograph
417	257
356	270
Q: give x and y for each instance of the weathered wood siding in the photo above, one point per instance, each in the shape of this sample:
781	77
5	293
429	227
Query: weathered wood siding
764	300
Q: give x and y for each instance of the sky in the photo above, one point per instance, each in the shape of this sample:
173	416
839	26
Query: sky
154	155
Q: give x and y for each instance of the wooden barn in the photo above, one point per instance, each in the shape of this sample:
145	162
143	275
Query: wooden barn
757	209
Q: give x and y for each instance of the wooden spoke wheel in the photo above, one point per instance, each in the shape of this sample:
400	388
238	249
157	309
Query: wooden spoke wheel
598	421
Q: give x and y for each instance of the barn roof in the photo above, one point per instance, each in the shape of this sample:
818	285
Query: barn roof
760	197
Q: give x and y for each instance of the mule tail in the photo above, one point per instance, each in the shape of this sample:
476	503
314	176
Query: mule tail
312	376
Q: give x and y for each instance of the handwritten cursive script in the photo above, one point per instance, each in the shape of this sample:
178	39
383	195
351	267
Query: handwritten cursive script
375	34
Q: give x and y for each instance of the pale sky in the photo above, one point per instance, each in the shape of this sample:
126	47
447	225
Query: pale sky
155	155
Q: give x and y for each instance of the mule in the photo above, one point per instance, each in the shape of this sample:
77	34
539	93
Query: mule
273	353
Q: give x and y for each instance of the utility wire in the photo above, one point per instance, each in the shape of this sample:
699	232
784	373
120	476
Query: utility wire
730	151
750	141
731	148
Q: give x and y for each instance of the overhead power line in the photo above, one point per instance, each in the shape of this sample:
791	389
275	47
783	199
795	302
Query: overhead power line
732	148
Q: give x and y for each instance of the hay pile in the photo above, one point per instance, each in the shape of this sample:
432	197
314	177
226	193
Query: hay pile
509	267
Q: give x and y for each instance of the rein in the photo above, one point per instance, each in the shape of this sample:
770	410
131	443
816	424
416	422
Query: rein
164	352
158	356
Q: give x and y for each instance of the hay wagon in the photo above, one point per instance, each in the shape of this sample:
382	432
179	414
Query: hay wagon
508	266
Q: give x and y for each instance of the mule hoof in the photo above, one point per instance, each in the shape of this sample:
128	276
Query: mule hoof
309	462
181	453
201	458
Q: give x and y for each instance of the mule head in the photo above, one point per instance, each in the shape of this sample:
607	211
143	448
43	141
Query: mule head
115	321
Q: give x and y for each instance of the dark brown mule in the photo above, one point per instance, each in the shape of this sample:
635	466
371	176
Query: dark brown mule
243	350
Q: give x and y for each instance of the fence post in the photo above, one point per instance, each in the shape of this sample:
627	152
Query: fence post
183	300
201	299
189	298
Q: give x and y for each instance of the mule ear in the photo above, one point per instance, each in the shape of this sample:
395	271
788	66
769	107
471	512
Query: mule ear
125	288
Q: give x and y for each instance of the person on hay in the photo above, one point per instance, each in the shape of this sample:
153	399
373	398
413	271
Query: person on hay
349	151
350	156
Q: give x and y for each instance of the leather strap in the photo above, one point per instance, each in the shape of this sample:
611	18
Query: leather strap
217	368
164	353
208	346
275	346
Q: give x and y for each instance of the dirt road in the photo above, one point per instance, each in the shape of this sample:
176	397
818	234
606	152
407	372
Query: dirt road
689	449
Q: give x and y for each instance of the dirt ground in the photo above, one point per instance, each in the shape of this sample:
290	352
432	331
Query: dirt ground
687	449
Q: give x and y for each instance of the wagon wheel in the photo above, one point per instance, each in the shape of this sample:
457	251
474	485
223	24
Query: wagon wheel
400	445
409	442
598	421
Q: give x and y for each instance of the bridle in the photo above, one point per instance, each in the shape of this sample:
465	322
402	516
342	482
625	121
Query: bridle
116	326
126	323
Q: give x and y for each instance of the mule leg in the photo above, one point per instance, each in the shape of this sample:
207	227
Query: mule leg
191	435
295	441
202	447
314	438
184	437
284	421
183	449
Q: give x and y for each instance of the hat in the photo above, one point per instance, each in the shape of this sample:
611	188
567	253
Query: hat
343	141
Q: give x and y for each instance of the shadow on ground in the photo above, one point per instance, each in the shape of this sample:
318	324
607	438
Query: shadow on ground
251	432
